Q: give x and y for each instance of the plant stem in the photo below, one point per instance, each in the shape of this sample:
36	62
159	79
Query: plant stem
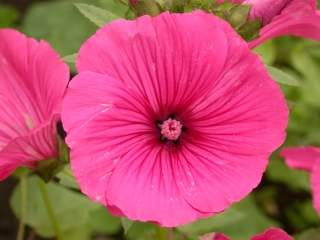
162	233
51	215
23	188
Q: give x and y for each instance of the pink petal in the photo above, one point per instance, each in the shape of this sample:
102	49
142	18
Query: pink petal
301	157
236	133
133	53
33	81
315	183
214	236
273	234
299	18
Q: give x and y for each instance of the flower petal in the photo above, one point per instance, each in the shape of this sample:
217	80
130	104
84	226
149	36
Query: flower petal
303	158
299	18
273	234
231	137
169	60
33	82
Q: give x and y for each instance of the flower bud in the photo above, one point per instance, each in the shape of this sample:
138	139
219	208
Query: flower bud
145	7
266	9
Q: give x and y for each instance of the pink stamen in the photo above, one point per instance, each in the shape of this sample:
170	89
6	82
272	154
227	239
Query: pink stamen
171	129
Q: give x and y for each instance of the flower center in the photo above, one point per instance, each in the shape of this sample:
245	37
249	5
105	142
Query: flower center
171	129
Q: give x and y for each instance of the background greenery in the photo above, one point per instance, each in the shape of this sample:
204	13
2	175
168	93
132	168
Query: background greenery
282	199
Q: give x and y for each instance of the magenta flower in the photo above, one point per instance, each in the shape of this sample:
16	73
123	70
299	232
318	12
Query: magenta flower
270	234
32	83
171	118
273	234
284	17
308	159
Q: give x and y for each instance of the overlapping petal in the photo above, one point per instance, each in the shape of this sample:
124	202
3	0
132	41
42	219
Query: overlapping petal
194	67
33	82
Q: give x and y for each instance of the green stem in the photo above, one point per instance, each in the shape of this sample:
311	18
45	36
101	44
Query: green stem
23	188
162	233
47	202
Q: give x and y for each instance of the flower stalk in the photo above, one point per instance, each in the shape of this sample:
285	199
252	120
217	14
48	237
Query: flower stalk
23	206
48	205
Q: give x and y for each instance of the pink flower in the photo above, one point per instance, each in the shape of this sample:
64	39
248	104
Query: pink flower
284	17
32	84
273	234
306	158
171	118
270	234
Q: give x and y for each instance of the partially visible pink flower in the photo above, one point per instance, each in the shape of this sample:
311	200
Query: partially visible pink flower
273	234
284	17
306	158
171	118
214	236
270	234
33	81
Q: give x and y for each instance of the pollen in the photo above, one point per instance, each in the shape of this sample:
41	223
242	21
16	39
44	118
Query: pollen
171	129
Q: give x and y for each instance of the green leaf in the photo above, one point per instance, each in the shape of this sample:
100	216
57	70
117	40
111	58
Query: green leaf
95	14
68	206
312	234
278	171
101	221
62	25
267	51
8	16
282	77
70	58
240	222
126	224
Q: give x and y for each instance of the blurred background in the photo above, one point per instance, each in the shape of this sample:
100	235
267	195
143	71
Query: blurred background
282	199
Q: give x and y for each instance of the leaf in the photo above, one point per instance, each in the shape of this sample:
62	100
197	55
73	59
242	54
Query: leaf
126	224
240	222
95	14
312	234
62	25
8	16
67	205
267	51
295	179
282	77
101	221
70	58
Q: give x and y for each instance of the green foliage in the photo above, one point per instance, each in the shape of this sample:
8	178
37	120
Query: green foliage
8	16
282	77
96	15
74	212
240	222
61	23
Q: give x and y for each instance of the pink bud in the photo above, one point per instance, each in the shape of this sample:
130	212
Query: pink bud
266	9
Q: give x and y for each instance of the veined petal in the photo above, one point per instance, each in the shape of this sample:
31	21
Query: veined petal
33	82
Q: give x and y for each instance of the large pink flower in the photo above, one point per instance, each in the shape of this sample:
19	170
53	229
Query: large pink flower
171	118
308	159
270	234
32	83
